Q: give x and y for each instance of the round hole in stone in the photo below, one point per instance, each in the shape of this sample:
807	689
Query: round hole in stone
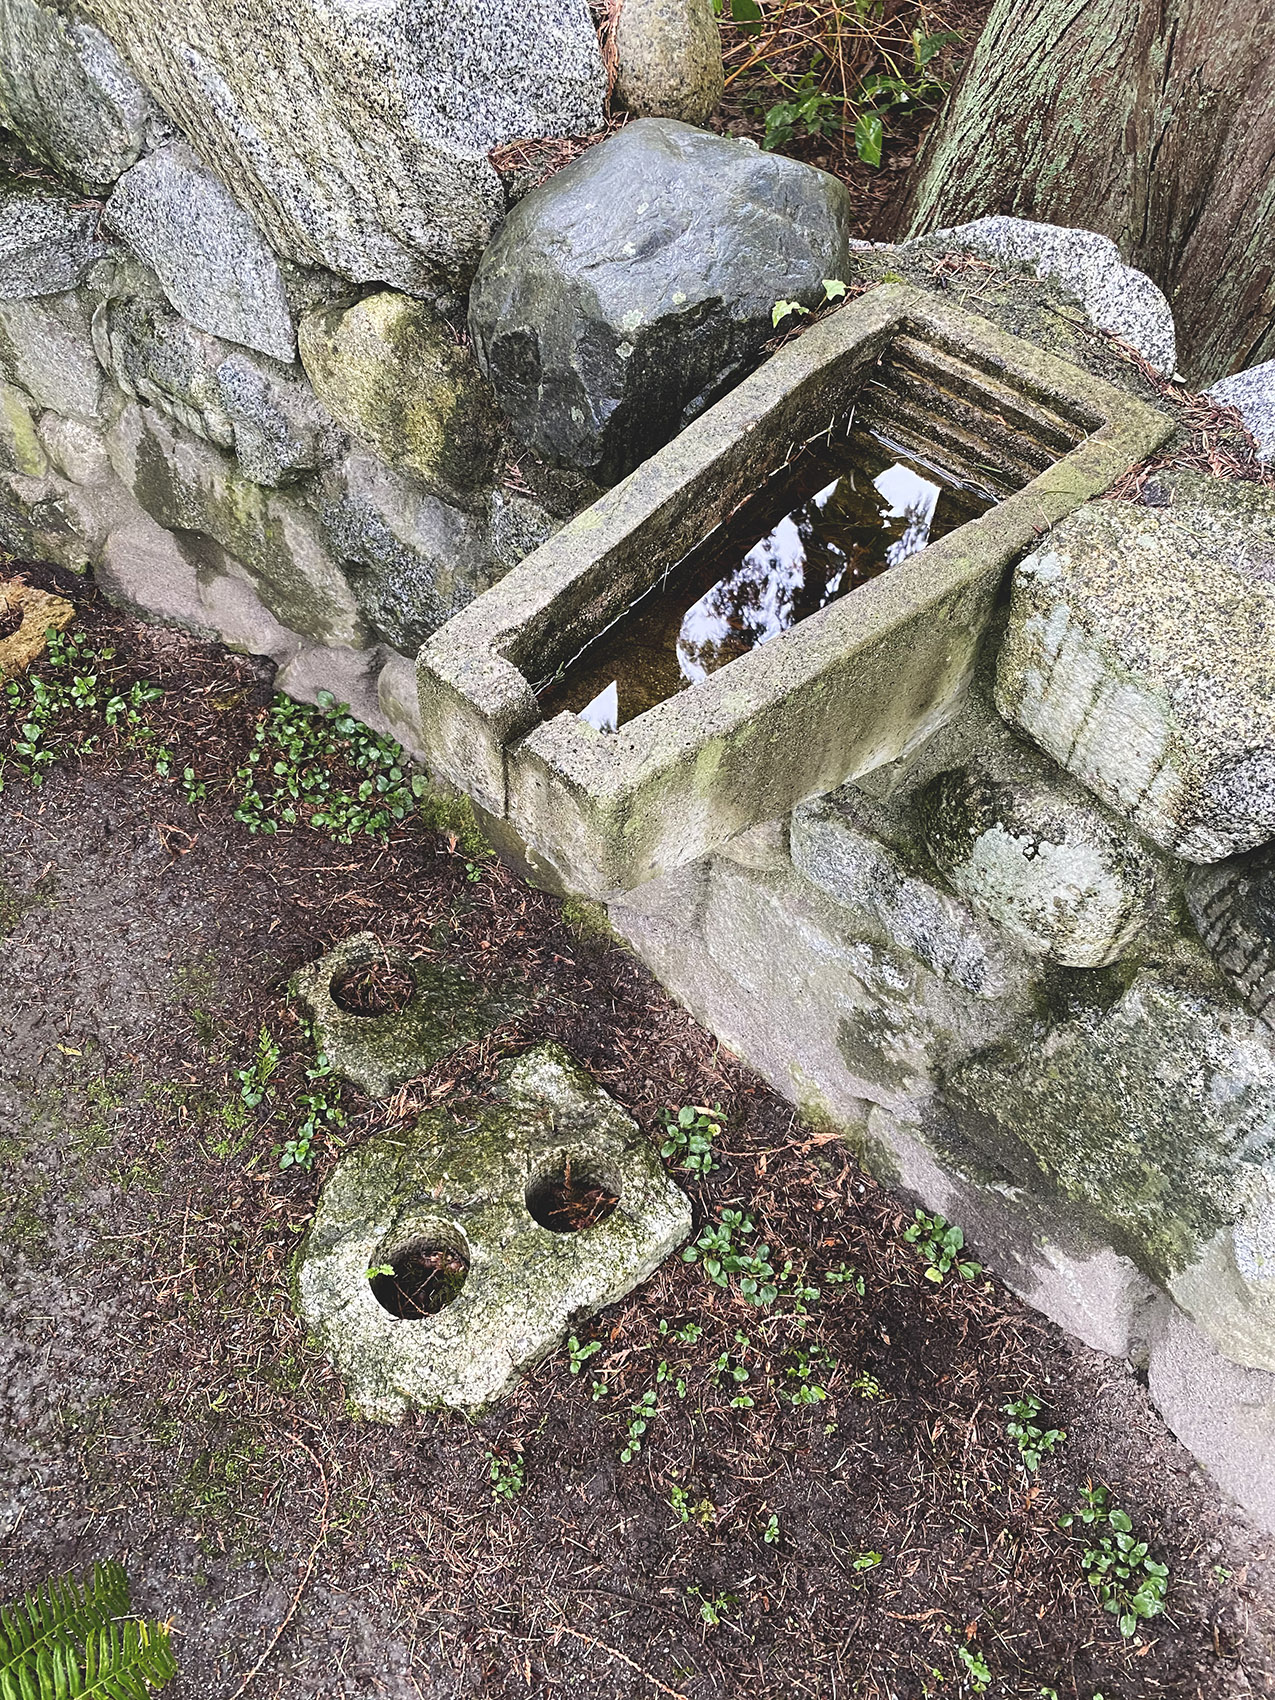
570	1198
11	617
421	1280
380	986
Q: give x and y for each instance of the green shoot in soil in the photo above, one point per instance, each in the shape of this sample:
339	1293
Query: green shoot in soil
689	1134
1118	1566
1033	1441
940	1244
506	1477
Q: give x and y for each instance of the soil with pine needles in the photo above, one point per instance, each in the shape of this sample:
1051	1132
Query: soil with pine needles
161	1403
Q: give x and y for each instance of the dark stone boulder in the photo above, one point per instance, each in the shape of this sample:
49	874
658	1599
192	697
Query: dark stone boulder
633	288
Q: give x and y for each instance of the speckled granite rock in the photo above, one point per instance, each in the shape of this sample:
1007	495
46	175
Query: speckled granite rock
393	372
1056	872
214	264
1140	655
46	347
260	408
68	96
669	59
626	293
460	1183
1116	297
1252	394
366	152
48	239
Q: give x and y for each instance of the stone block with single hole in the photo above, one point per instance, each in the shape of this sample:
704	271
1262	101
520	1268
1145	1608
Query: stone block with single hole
444	1262
845	675
382	1017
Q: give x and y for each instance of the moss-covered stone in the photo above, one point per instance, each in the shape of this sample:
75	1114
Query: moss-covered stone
392	371
1146	1117
39	613
19	444
1140	655
460	1182
379	1052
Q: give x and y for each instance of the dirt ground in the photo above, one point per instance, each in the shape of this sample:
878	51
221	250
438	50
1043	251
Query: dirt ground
161	1404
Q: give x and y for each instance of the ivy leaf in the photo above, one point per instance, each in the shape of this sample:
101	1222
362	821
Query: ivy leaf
869	134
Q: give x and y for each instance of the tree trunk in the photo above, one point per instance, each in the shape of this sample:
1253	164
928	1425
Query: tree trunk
1151	121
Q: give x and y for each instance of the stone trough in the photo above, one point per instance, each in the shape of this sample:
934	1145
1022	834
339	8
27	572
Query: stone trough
845	690
481	1191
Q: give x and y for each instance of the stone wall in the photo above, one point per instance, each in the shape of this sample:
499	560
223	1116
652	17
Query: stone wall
1029	971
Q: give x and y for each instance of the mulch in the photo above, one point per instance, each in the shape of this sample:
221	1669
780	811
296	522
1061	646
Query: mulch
852	1544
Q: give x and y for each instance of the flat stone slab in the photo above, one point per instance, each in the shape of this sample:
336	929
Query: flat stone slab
380	1052
460	1184
845	690
1140	655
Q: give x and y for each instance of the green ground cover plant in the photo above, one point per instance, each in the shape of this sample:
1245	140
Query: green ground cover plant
1118	1566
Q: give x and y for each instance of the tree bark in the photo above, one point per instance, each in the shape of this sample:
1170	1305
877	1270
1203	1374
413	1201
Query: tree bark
1151	121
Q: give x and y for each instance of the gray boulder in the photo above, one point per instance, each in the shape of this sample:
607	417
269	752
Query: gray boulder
46	347
669	59
260	408
412	560
48	240
1150	1116
1055	871
357	135
65	92
232	524
1252	395
833	844
636	285
1118	298
214	264
1223	1413
1140	655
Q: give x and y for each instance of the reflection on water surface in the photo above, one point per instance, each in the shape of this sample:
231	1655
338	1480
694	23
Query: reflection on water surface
828	523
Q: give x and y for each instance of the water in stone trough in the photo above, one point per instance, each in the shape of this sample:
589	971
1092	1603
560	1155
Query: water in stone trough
832	519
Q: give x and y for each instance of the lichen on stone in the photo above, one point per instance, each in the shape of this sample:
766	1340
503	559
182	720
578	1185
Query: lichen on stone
40	613
380	1052
460	1183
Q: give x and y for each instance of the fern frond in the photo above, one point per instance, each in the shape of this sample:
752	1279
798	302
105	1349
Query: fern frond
58	1610
122	1661
64	1641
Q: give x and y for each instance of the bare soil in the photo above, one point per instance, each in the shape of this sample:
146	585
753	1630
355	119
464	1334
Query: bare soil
161	1404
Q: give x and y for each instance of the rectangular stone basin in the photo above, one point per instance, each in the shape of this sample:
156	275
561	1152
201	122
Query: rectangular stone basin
846	689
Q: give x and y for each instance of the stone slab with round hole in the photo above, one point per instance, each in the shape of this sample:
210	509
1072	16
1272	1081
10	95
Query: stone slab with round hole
382	1017
444	1262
